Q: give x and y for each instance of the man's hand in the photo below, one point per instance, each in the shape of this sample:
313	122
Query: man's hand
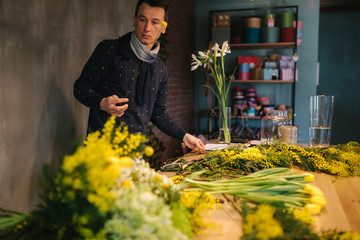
194	143
108	105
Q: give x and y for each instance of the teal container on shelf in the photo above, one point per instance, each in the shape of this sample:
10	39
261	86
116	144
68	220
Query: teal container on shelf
252	35
270	34
287	19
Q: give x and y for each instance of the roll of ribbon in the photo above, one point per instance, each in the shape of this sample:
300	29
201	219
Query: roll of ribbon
239	97
253	22
251	100
251	112
269	20
263	101
252	35
287	34
250	90
287	19
237	90
270	34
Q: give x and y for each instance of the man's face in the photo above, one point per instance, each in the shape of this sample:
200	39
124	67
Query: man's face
147	24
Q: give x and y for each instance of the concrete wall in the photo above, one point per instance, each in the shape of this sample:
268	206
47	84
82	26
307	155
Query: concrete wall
44	45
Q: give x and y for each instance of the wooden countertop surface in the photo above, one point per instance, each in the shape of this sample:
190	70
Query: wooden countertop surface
342	211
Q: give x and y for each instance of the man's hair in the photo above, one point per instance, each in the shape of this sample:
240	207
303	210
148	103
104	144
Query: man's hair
153	3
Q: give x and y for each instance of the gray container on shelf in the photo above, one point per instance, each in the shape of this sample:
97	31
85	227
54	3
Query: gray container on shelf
220	34
271	124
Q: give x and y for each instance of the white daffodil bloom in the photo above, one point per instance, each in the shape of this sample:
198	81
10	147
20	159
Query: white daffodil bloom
216	49
203	55
195	63
225	48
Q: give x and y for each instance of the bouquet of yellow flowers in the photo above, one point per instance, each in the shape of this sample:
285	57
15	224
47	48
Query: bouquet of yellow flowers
105	191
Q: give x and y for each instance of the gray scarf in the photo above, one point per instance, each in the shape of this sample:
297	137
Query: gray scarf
141	51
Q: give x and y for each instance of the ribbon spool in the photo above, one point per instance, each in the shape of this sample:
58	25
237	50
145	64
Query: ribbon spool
271	22
270	34
253	22
264	101
252	35
287	34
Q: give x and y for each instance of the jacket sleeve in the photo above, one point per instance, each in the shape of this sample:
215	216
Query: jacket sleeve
160	116
94	72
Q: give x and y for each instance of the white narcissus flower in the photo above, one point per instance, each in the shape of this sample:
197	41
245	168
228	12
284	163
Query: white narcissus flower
225	48
216	49
195	63
203	55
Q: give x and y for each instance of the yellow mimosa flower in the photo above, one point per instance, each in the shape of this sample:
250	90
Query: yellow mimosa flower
148	151
126	161
158	177
164	24
165	186
126	184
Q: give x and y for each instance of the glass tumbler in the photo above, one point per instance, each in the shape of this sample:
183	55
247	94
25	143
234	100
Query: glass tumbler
320	112
271	125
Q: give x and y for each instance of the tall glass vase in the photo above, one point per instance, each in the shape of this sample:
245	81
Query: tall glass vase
225	125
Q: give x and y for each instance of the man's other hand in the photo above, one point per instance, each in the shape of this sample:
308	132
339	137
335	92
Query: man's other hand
194	143
114	105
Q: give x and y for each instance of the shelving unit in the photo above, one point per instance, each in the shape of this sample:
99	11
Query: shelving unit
258	12
263	81
278	45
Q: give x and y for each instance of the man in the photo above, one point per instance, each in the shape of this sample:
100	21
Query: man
126	78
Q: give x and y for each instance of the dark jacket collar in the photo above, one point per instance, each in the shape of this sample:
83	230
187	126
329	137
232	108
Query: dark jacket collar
124	47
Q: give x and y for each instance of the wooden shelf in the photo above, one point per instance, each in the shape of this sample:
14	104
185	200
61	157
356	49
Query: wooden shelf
262	81
248	117
263	45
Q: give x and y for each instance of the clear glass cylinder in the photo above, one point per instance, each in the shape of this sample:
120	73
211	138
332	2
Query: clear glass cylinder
225	125
271	124
320	112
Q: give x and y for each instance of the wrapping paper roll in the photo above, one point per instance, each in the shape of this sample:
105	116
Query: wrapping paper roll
244	67
287	19
269	20
243	75
270	34
253	22
287	34
252	35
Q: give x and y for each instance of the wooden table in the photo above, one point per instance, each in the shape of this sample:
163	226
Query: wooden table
342	211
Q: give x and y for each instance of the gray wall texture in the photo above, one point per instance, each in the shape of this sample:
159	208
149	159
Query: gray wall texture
44	45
